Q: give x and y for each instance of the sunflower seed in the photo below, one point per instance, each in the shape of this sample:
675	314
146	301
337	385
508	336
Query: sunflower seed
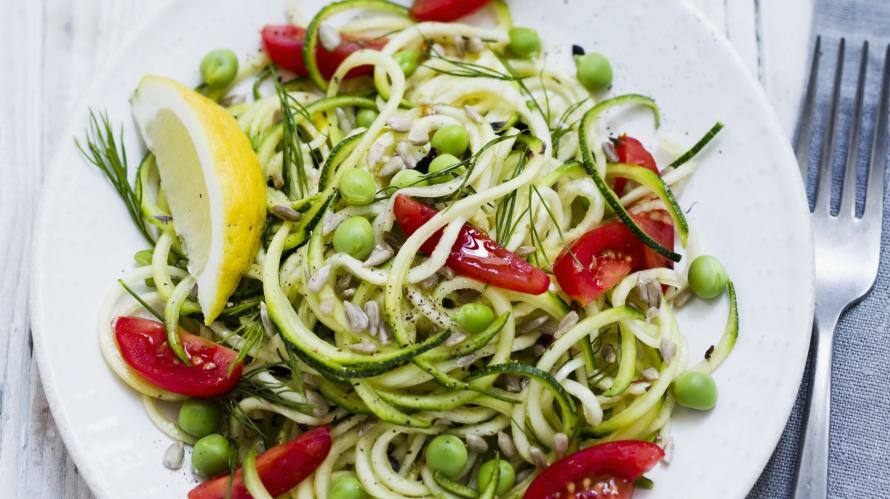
356	317
231	100
400	123
329	223
538	457
446	272
328	36
347	293
608	353
560	444
667	348
344	281
391	167
638	388
430	282
476	443
378	149
372	310
525	250
173	456
268	326
419	134
533	324
404	150
566	323
319	278
381	253
454	339
460	45
347	124
682	298
505	443
512	383
609	152
383	332
321	404
475	45
286	213
363	347
650	374
466	360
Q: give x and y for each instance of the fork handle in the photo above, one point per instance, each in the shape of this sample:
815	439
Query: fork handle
812	468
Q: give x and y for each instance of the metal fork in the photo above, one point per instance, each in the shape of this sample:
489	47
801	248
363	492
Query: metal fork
847	247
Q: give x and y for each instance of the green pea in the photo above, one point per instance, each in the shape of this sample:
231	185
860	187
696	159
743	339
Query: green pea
474	317
365	117
524	42
696	390
210	457
407	178
506	475
707	277
199	417
442	163
143	257
357	187
346	486
355	237
219	67
594	71
407	60
448	454
451	139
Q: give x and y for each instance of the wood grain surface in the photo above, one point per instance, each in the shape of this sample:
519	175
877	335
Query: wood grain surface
49	51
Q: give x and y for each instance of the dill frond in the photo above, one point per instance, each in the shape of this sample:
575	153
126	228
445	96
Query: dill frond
109	155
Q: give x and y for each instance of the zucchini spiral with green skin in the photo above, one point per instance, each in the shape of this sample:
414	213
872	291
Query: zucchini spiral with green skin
372	346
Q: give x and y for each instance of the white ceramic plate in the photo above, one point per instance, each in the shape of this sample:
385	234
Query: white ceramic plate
747	207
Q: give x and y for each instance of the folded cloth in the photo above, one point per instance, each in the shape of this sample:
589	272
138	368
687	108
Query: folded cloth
859	456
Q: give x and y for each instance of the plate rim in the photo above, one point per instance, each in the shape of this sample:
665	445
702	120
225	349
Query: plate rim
38	329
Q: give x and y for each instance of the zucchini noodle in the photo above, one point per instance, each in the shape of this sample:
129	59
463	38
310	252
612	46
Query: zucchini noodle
372	345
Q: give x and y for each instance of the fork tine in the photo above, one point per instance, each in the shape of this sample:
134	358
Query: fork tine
822	199
874	196
848	189
805	123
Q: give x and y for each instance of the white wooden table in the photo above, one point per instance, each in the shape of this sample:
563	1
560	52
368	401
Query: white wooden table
49	50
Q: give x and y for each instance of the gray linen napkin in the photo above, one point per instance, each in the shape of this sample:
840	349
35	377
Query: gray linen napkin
859	456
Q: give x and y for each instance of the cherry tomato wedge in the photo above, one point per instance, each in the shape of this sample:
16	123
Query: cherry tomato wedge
609	253
474	254
143	344
284	44
444	10
280	468
631	152
603	471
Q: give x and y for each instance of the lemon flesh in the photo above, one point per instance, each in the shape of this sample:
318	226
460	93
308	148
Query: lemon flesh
212	180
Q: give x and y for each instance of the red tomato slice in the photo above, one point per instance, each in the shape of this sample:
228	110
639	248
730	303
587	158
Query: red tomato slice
631	152
143	344
284	44
444	10
280	468
609	253
603	471
474	254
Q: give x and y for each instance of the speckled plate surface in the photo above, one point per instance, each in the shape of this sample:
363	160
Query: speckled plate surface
746	205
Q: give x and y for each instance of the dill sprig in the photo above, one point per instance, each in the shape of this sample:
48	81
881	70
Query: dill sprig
260	78
562	238
142	302
296	183
252	335
252	386
109	155
504	226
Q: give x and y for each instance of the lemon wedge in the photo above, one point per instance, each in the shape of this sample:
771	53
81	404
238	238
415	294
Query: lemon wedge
212	180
